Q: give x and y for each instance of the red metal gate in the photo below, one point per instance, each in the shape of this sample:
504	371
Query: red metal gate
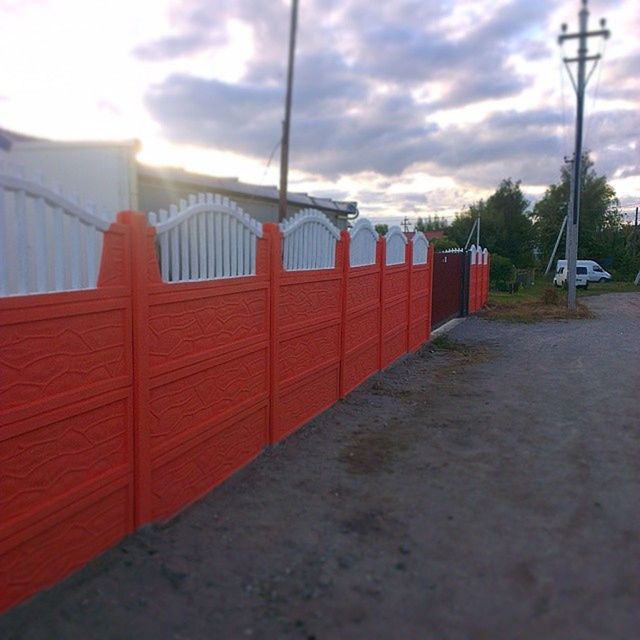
448	270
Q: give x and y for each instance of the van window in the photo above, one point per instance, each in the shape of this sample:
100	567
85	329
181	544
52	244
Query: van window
598	269
581	270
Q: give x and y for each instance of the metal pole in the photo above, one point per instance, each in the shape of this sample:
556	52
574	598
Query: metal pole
466	244
286	124
478	231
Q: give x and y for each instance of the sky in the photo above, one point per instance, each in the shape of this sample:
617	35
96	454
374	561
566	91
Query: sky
411	107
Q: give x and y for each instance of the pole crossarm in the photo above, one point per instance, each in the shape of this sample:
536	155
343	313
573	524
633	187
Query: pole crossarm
585	58
605	33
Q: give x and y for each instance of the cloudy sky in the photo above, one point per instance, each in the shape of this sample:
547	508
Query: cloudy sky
411	107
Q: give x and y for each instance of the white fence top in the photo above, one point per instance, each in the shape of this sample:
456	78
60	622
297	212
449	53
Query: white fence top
362	247
48	241
485	256
206	237
396	242
308	241
420	248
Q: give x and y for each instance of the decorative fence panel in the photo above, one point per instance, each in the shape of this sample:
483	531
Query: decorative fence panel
361	326
420	298
203	353
394	297
307	320
66	421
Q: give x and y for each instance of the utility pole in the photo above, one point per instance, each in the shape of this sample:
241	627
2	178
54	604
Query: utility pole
405	224
286	124
579	85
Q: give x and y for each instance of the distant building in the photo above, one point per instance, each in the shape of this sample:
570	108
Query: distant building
108	174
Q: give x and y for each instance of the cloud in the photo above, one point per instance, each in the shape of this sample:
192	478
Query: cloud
359	67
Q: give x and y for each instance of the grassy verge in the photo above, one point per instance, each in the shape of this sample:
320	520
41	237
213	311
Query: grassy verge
543	301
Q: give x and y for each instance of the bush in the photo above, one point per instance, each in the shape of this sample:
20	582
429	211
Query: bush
502	270
550	296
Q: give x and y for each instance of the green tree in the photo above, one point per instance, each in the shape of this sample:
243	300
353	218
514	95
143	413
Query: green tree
381	229
505	226
430	223
600	228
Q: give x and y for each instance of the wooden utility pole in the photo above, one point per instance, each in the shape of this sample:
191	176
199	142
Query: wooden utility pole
579	85
286	123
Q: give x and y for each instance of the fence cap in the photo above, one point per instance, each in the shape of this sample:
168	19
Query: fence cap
289	225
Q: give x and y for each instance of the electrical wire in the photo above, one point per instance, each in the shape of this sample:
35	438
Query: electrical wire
590	118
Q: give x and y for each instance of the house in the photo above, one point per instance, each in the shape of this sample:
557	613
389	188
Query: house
108	174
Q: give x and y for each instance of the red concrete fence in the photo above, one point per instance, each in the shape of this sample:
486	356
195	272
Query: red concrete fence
125	403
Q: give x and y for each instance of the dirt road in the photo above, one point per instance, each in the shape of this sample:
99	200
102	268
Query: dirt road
490	491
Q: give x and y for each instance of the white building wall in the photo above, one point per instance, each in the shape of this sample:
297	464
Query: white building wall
101	173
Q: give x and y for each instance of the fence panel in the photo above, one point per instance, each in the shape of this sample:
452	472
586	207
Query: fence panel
485	279
48	241
66	430
307	320
421	286
361	330
202	350
394	297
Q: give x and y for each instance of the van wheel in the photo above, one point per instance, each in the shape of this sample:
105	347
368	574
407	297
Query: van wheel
602	280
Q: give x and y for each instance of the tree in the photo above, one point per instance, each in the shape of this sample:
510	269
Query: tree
505	227
381	229
430	223
600	230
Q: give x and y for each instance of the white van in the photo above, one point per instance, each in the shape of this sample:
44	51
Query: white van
594	272
560	279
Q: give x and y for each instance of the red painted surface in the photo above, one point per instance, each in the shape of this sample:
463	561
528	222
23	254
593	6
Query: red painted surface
361	333
394	303
420	302
66	428
124	404
202	378
306	341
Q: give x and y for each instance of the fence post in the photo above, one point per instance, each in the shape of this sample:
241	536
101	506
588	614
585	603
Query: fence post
431	256
272	232
346	268
382	257
140	235
408	258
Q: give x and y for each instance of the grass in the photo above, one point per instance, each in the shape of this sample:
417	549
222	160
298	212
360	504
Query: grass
543	301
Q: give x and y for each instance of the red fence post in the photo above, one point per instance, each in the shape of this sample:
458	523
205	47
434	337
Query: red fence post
408	258
141	233
382	256
430	259
346	268
272	232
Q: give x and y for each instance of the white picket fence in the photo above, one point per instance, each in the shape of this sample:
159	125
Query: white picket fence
420	248
363	242
206	237
48	241
396	242
308	241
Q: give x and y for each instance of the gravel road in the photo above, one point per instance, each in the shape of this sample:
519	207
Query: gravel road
490	491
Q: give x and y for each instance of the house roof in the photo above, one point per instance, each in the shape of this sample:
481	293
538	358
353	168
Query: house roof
233	185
